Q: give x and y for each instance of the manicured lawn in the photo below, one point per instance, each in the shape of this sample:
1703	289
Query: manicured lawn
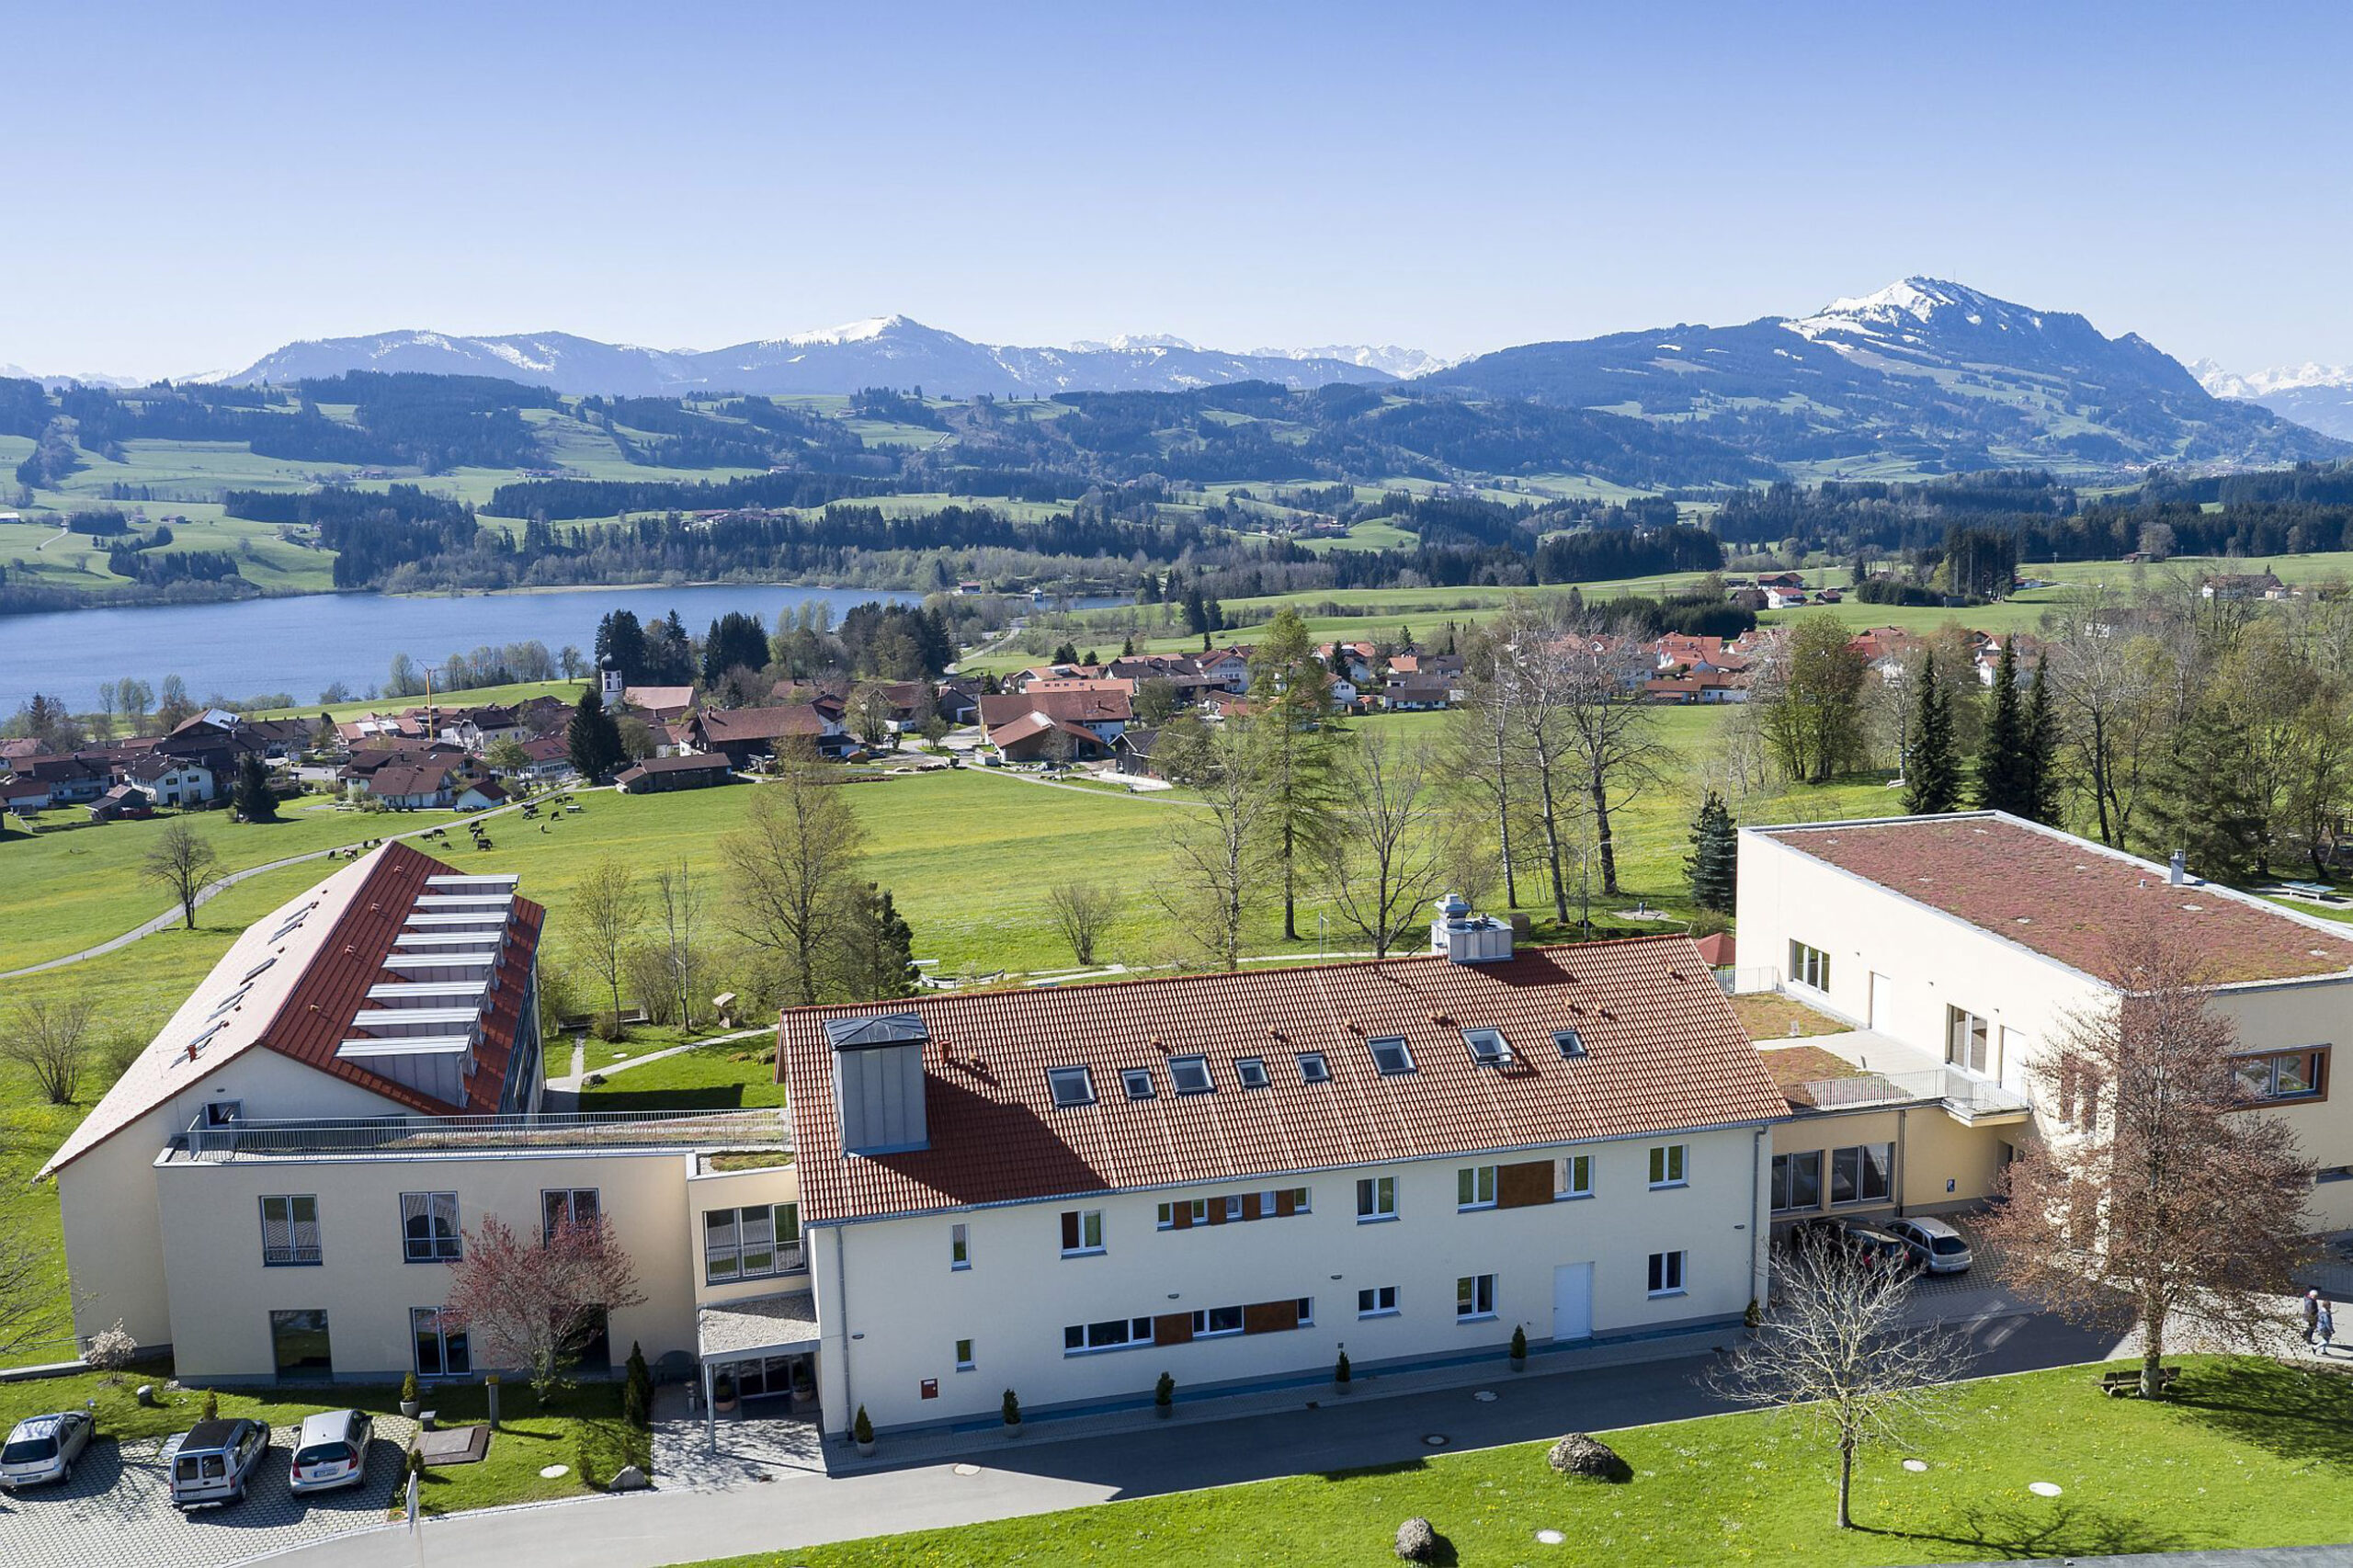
528	1437
473	696
2250	1454
713	1077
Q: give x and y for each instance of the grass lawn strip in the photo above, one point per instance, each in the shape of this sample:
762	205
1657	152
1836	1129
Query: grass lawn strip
2251	1453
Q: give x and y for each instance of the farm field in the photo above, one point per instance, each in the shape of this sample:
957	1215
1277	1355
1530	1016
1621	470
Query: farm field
2205	1469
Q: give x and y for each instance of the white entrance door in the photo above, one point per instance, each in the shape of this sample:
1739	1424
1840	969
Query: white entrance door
1572	1301
1882	1002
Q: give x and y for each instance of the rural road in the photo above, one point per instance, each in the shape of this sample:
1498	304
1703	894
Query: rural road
165	920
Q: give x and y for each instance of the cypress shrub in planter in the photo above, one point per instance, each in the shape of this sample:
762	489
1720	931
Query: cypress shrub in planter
1012	1414
1519	1348
861	1432
410	1403
1340	1374
1164	1397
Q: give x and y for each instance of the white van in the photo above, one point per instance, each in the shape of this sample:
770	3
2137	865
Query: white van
212	1460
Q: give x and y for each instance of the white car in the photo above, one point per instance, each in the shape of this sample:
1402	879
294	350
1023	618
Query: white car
330	1452
1936	1247
44	1448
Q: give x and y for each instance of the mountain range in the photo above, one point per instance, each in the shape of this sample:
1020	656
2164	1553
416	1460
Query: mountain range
2319	397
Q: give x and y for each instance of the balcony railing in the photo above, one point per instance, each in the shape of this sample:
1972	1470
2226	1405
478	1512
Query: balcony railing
1967	1096
463	1134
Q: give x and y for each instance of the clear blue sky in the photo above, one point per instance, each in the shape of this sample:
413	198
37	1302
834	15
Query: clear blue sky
191	185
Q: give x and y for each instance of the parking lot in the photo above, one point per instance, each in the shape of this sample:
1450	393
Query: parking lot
117	1509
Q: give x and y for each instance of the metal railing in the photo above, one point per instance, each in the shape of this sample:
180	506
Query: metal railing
446	1134
1958	1090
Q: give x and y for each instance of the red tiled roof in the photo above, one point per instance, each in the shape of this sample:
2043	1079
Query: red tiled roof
1665	1052
2065	897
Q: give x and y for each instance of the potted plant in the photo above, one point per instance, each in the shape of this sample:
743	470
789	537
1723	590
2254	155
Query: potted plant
1340	1375
1519	1348
723	1393
410	1403
1754	1318
1012	1414
861	1432
211	1405
1164	1397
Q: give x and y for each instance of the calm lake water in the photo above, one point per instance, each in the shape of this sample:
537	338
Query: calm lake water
303	646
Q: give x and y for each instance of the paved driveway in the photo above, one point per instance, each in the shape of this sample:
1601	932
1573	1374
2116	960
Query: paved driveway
117	1509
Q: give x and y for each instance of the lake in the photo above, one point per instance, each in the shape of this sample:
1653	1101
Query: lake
303	645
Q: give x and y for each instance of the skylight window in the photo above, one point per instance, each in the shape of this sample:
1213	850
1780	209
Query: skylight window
1251	1070
229	1001
1571	1042
1312	1068
1488	1048
1137	1081
248	978
1190	1074
1390	1055
1071	1086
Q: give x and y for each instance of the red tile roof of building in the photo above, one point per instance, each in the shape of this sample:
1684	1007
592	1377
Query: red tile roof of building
1664	1051
2065	897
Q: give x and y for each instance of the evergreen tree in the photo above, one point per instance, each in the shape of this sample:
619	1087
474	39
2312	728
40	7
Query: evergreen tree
593	740
1931	774
878	948
2041	750
1128	649
1714	861
1297	750
2206	803
2005	777
620	639
1066	654
251	795
1197	612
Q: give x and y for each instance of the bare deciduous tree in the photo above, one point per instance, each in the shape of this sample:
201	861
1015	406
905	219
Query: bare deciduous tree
31	1309
183	862
2165	1197
50	1042
1219	861
793	869
680	899
534	1304
1837	1350
1479	736
1612	730
602	920
1385	858
1082	912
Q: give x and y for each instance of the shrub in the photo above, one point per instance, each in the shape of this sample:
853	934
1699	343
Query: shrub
1518	1342
1164	1391
1416	1541
1580	1454
408	1387
211	1405
111	1349
412	1463
862	1429
1341	1373
637	1392
1755	1316
1012	1409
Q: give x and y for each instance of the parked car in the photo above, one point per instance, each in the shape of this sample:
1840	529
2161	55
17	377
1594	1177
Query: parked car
1877	1246
212	1460
330	1452
43	1447
1936	1248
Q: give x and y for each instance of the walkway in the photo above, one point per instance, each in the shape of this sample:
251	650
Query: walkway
968	1479
570	1082
171	916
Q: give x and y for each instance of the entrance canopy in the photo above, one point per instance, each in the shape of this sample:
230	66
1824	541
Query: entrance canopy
781	1324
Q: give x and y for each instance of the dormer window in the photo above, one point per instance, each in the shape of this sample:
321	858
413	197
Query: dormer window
1312	1068
1571	1043
1251	1072
1137	1081
1488	1048
1071	1086
1190	1074
1390	1056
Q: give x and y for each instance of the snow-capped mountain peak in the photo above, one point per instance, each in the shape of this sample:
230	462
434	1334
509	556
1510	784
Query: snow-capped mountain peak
1904	308
1131	341
2263	383
849	332
1388	358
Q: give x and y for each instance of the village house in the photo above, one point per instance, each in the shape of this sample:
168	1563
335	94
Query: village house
659	775
169	780
410	786
747	736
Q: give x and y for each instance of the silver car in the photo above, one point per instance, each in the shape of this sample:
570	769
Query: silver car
330	1452
1936	1247
44	1448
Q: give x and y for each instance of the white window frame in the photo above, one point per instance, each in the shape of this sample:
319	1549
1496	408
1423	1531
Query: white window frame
1978	1031
1480	1182
960	1248
1809	966
1499	1053
1090	1233
1394	1044
1571	1178
1667	1273
1477	1304
1670	1166
1376	1199
437	1245
1377	1302
1205	1321
963	1352
1137	1334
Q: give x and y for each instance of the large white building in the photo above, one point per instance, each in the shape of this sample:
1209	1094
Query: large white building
1960	948
1232	1179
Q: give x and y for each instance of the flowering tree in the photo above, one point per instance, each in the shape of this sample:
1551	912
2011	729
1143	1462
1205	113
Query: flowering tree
536	1305
2165	1197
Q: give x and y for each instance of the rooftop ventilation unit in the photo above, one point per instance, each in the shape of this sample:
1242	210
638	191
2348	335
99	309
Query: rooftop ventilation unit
1465	938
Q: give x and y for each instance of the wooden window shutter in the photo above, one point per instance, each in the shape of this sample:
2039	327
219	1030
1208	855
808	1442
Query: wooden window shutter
1217	1210
1172	1328
1523	1185
1271	1317
1250	1206
1070	1229
1180	1215
1286	1203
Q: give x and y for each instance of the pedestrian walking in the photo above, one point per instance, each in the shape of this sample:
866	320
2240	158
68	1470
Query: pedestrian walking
2312	1313
2325	1321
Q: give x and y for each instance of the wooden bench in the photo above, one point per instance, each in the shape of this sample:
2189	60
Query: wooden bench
2116	1385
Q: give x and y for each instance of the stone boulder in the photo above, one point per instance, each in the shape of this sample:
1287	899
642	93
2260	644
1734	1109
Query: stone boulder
1578	1454
629	1477
1416	1541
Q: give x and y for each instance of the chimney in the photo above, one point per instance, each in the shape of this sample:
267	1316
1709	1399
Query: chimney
879	1082
1466	937
2178	872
